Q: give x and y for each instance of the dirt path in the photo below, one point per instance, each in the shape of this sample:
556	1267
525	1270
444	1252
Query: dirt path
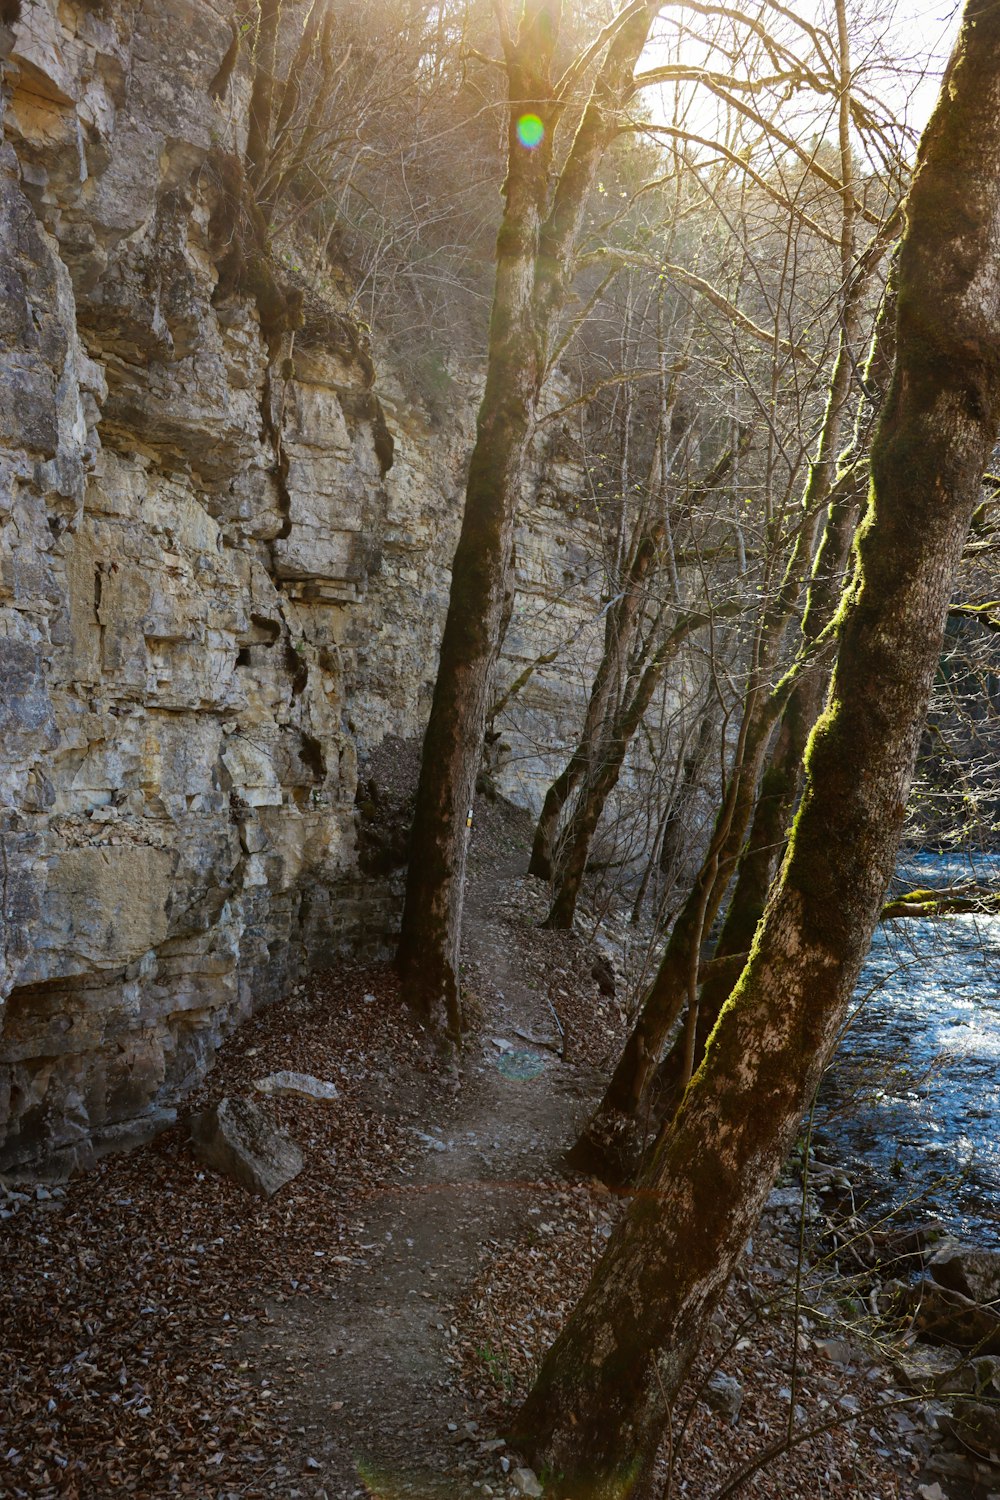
372	1369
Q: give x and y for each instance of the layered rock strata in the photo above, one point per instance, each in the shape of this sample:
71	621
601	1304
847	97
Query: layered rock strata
223	570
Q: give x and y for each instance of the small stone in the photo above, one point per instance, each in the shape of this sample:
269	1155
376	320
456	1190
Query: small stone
526	1482
783	1198
837	1351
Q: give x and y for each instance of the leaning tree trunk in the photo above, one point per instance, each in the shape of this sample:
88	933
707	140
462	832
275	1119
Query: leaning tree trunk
600	752
782	778
606	761
623	624
597	1410
618	639
612	1142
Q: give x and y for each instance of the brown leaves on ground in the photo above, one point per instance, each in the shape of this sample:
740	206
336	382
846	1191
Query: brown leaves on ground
126	1294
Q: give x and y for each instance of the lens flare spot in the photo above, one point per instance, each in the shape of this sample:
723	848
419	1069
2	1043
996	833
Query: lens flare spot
530	131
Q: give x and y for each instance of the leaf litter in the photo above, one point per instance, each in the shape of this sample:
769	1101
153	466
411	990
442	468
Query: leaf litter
167	1334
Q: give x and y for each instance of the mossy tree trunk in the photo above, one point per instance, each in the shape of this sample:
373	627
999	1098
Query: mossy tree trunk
535	248
597	1410
781	781
612	1142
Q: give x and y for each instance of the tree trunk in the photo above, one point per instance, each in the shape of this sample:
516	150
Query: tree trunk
782	778
606	767
597	1410
623	624
265	51
611	1144
618	638
428	955
535	249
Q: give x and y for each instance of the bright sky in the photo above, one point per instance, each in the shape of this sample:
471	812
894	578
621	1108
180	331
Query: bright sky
899	50
922	35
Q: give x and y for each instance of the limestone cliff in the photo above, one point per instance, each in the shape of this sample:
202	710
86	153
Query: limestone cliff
223	570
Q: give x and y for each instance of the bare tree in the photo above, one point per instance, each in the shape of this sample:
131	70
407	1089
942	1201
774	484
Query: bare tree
543	211
596	1413
612	1142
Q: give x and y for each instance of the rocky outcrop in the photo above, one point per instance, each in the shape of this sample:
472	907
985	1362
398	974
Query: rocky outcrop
222	580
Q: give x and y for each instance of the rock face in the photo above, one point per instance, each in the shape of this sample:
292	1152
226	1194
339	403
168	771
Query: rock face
223	572
235	1137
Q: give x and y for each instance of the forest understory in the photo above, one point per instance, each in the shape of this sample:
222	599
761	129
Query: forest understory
370	1329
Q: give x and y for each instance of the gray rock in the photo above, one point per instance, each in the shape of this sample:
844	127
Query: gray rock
837	1351
296	1083
782	1199
526	1482
925	1369
724	1394
942	1316
975	1424
235	1137
974	1273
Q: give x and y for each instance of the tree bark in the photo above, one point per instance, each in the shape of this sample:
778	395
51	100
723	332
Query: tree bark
606	764
597	1410
611	1144
535	250
782	778
428	955
600	751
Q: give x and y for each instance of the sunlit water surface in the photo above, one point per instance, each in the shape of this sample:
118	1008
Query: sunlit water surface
915	1088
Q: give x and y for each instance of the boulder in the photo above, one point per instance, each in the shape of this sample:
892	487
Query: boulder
976	1425
723	1394
942	1316
236	1137
932	1371
901	1249
974	1273
296	1083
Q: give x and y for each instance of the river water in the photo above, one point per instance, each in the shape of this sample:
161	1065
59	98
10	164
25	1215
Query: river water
914	1092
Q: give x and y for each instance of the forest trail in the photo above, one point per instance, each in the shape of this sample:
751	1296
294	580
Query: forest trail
372	1371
